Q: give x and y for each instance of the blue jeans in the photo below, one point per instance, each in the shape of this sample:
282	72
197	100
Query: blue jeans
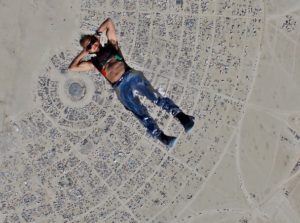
134	81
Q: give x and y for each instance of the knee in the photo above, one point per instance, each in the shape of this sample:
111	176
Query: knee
159	99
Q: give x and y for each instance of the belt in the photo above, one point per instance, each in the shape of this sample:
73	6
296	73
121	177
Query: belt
118	82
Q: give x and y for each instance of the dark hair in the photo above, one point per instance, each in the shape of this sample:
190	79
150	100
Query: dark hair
84	37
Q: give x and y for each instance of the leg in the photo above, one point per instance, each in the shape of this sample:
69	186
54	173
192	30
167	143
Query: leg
145	88
133	104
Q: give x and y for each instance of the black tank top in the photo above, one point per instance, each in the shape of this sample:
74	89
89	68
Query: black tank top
106	52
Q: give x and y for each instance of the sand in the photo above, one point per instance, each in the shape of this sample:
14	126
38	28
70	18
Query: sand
84	158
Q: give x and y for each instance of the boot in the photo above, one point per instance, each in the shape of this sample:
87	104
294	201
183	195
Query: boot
169	141
186	120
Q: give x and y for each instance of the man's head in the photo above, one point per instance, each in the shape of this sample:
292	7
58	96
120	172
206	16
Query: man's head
90	43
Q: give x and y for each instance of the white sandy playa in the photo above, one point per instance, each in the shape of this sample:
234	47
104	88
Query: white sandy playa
91	161
29	31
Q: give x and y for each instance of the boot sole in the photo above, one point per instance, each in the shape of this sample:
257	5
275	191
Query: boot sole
172	145
189	130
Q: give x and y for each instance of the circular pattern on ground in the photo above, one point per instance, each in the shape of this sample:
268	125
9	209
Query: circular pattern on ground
75	89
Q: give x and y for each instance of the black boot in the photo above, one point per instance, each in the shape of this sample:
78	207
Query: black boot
186	120
169	141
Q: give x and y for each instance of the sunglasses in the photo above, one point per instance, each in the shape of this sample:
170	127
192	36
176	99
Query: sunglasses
93	40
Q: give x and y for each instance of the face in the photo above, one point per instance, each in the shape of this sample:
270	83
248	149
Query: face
92	45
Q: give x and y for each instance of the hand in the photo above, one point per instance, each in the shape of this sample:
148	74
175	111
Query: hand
84	53
98	33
